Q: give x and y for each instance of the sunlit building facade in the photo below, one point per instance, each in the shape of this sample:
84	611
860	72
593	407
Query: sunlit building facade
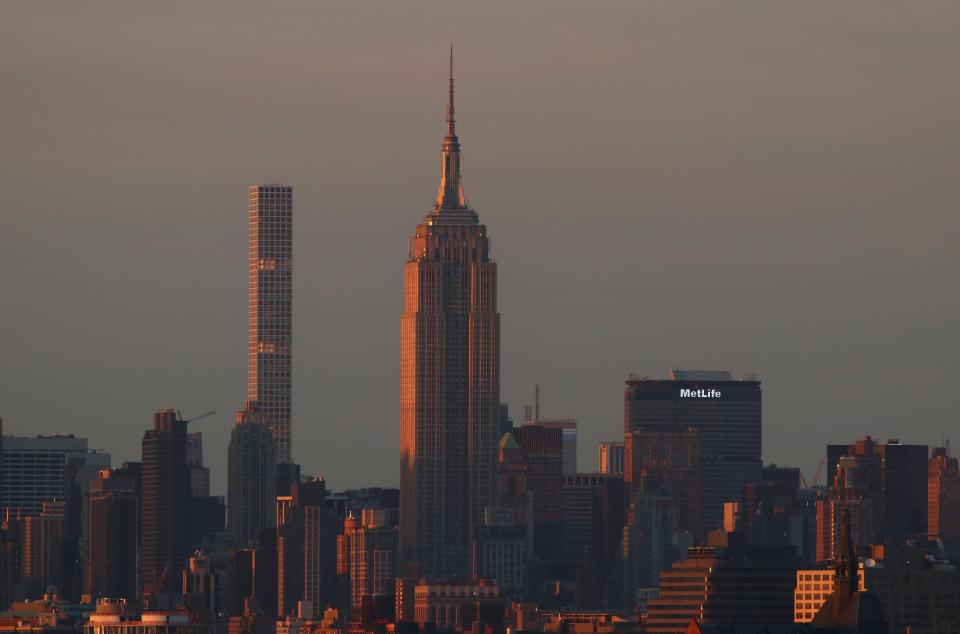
449	379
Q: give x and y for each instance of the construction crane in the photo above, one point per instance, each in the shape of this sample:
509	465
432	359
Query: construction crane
195	418
816	475
151	593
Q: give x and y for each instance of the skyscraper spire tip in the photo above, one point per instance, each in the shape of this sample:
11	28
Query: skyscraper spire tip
451	122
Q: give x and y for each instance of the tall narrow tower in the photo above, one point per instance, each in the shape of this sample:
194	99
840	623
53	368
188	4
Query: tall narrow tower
164	504
270	309
449	378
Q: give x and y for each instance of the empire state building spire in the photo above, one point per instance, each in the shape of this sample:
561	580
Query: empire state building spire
450	194
449	381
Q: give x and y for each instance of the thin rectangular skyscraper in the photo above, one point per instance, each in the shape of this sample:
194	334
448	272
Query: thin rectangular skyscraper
270	320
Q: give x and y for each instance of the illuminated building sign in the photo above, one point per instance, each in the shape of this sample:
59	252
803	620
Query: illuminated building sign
699	393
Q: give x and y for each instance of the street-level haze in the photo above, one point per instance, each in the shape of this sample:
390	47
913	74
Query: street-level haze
765	187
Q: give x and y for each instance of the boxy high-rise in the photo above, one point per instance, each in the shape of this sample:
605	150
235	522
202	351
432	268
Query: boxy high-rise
724	412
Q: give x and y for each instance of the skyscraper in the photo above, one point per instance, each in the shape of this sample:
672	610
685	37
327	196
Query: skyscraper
724	412
164	504
270	297
306	548
36	469
43	548
568	437
905	489
943	497
199	474
251	479
543	453
371	556
449	378
610	456
112	565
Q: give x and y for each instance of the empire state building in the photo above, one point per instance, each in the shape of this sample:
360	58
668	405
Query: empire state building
449	378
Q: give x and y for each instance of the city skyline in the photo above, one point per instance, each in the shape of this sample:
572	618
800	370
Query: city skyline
849	268
728	230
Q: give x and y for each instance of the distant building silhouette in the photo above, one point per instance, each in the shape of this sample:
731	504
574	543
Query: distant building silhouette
943	499
43	549
251	478
306	548
37	469
543	453
568	441
610	457
370	549
725	585
112	564
164	505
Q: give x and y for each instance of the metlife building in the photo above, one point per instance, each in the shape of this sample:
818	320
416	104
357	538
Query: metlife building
725	412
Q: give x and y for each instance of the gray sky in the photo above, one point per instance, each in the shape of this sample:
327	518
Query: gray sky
766	187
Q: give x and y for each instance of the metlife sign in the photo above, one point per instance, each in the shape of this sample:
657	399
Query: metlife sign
699	393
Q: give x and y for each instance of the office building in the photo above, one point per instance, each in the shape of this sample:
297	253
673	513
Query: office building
718	586
724	412
592	519
164	505
199	474
905	489
830	510
112	564
266	571
251	478
892	479
371	545
43	549
449	378
306	548
649	544
610	457
241	567
943	498
543	454
250	619
666	457
270	315
773	512
2	507
814	587
591	513
568	441
199	587
38	469
501	551
513	490
113	616
454	606
11	565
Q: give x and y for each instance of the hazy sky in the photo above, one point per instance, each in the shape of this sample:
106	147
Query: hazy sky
767	187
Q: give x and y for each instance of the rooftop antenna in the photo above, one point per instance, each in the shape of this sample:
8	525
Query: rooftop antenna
536	402
451	121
